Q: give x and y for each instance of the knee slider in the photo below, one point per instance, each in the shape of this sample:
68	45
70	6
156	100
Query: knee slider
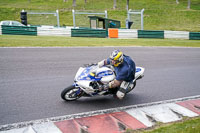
124	87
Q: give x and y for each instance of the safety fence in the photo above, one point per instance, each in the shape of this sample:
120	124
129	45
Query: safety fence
176	34
52	31
129	33
194	36
101	33
35	31
88	33
18	30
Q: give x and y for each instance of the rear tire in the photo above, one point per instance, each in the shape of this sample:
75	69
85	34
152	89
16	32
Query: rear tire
71	93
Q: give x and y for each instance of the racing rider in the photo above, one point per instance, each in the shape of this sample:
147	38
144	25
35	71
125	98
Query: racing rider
124	68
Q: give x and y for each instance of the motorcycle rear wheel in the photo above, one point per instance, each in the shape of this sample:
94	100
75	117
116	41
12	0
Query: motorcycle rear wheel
71	93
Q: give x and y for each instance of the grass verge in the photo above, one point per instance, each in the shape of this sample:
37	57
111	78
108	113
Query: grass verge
187	125
51	41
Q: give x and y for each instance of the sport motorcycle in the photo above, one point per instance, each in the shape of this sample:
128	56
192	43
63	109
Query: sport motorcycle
90	78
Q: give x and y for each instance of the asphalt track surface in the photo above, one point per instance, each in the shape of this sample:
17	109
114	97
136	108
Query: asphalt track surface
31	79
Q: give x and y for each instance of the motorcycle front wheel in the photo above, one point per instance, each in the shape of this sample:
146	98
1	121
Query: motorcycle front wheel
71	93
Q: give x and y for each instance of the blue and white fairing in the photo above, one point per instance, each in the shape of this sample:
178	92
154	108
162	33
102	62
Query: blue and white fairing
139	73
85	76
94	73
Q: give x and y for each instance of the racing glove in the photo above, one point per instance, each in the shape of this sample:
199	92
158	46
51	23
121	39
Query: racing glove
101	63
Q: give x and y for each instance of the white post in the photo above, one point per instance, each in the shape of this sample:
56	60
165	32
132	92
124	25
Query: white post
57	14
127	5
73	13
142	22
129	14
106	14
188	7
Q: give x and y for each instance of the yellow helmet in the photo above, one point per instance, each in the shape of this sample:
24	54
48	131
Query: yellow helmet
117	57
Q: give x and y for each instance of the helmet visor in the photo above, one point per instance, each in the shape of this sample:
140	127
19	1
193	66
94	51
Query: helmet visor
114	62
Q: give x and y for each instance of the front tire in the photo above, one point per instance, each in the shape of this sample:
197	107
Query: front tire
71	93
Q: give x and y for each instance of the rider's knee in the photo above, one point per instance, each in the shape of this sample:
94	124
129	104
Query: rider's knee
124	87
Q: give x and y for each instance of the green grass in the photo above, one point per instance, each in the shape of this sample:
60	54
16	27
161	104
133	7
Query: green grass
185	126
158	15
45	41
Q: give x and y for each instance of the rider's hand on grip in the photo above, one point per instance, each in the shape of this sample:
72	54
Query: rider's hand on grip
101	63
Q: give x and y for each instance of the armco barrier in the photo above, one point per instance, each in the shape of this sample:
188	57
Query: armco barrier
150	34
194	36
19	30
88	33
113	33
127	33
176	34
51	31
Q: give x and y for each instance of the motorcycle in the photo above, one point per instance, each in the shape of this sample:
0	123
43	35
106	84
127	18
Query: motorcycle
89	78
